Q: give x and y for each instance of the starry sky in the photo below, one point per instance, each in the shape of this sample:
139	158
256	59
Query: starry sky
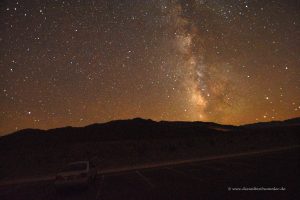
74	63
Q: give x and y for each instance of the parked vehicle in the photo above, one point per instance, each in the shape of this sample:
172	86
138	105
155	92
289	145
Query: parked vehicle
80	173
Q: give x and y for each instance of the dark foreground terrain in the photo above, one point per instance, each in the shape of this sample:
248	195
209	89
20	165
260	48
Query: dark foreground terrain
130	143
214	179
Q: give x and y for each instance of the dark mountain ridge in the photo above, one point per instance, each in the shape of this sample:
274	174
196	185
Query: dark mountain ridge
34	152
137	128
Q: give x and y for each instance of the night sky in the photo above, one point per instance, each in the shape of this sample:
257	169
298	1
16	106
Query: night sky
74	63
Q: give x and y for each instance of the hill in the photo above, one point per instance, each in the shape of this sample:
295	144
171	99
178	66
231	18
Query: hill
33	152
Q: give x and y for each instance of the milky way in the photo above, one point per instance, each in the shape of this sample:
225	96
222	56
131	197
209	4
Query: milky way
208	97
74	63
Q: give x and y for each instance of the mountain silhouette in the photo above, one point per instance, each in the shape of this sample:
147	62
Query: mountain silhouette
139	128
32	152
